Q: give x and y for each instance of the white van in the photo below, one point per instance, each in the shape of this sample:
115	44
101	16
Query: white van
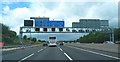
52	41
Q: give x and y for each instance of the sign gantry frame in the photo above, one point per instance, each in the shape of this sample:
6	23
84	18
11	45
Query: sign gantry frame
28	29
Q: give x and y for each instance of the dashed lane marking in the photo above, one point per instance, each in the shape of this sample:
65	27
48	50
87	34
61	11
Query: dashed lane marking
61	49
26	57
40	50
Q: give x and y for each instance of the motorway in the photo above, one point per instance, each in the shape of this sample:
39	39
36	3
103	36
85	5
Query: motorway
63	53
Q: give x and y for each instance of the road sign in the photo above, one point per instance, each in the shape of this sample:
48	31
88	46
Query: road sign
37	29
28	22
56	23
39	23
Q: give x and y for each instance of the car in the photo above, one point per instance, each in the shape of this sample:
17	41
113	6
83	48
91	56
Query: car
45	44
61	43
117	42
108	42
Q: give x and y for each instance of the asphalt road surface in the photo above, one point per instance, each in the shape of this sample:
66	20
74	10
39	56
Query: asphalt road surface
63	53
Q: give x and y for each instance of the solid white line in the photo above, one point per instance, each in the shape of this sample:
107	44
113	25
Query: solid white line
96	53
26	57
68	57
40	50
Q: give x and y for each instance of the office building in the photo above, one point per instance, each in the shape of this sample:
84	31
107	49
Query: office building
90	23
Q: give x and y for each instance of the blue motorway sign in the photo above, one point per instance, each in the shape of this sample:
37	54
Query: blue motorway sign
54	23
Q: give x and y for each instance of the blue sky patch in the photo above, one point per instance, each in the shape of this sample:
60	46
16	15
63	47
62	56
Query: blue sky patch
13	5
19	5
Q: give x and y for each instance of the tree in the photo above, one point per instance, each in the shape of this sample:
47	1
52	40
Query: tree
34	39
5	29
13	34
25	37
39	40
93	37
8	36
117	34
28	38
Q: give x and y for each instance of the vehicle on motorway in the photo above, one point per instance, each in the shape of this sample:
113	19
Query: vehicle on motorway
45	44
117	42
108	42
52	41
61	43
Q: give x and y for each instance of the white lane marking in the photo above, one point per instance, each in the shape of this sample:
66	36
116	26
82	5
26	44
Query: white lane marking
61	49
40	50
97	53
68	57
26	57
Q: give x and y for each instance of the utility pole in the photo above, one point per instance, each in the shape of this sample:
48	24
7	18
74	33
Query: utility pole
112	35
20	35
30	35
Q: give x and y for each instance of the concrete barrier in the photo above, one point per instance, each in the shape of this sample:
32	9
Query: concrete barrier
104	47
8	48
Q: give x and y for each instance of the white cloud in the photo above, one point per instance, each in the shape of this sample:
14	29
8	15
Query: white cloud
1	18
69	11
114	22
14	18
108	11
91	13
6	9
60	0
